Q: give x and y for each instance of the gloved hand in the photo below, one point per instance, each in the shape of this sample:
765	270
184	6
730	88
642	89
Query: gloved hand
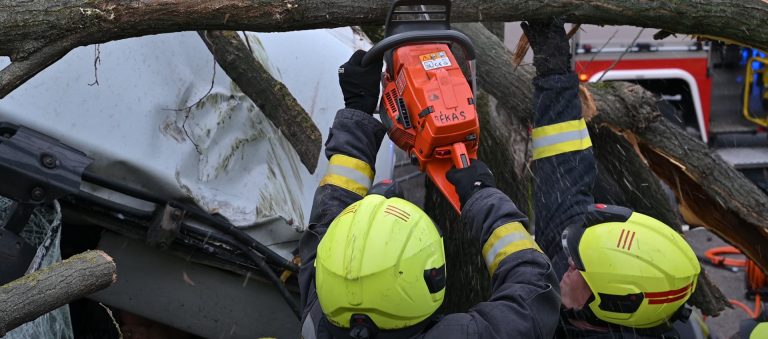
470	179
551	51
360	85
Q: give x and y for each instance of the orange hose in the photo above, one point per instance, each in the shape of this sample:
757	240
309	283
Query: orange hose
752	314
755	276
756	279
715	256
742	306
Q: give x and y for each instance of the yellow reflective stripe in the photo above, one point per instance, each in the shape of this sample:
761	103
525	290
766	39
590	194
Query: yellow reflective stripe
500	232
348	173
344	182
505	240
567	126
568	136
350	162
563	147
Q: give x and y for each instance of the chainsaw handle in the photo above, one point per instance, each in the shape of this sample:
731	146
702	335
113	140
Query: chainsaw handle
418	7
459	155
377	51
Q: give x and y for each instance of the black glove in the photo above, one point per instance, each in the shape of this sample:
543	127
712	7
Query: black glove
359	84
470	179
551	51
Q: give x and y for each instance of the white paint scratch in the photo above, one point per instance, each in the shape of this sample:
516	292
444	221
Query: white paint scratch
96	12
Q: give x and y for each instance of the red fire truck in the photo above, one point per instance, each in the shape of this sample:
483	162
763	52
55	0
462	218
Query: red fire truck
713	90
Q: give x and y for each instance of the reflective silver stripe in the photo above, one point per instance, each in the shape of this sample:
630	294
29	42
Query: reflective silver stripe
560	138
503	242
350	173
308	330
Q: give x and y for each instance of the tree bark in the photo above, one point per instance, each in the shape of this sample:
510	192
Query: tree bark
468	280
29	27
270	95
625	180
33	295
40	22
512	86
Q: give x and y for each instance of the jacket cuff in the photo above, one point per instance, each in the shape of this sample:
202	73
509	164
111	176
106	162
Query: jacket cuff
480	195
499	225
355	134
487	209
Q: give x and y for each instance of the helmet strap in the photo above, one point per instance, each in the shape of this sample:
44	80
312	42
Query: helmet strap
362	327
682	314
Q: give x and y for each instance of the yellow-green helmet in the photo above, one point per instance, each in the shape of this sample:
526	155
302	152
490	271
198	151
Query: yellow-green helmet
760	331
382	258
640	271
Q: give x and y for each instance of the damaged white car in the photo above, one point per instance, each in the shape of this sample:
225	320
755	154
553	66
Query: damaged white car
194	193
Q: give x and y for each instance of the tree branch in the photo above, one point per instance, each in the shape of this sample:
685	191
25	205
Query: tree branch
29	26
18	72
116	19
33	295
270	95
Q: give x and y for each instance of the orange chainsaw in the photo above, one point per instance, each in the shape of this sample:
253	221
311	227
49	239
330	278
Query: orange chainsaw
427	104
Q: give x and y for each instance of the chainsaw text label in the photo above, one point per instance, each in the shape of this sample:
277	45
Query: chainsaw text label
435	60
452	117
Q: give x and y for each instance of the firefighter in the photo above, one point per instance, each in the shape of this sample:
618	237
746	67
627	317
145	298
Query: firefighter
622	273
374	267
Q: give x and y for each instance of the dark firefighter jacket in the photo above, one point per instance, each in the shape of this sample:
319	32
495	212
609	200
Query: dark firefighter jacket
564	173
525	299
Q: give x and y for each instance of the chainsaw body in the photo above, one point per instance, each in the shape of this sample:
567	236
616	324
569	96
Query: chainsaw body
427	104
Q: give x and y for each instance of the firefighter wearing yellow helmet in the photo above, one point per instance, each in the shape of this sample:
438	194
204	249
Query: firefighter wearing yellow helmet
385	254
622	274
374	265
640	271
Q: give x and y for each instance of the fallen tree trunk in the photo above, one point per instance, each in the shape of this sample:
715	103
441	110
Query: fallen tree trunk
512	87
101	21
270	95
29	28
40	292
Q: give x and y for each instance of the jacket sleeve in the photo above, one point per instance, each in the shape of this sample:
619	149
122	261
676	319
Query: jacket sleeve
525	299
351	148
564	167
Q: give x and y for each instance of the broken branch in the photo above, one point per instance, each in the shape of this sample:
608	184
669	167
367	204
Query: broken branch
40	292
270	95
